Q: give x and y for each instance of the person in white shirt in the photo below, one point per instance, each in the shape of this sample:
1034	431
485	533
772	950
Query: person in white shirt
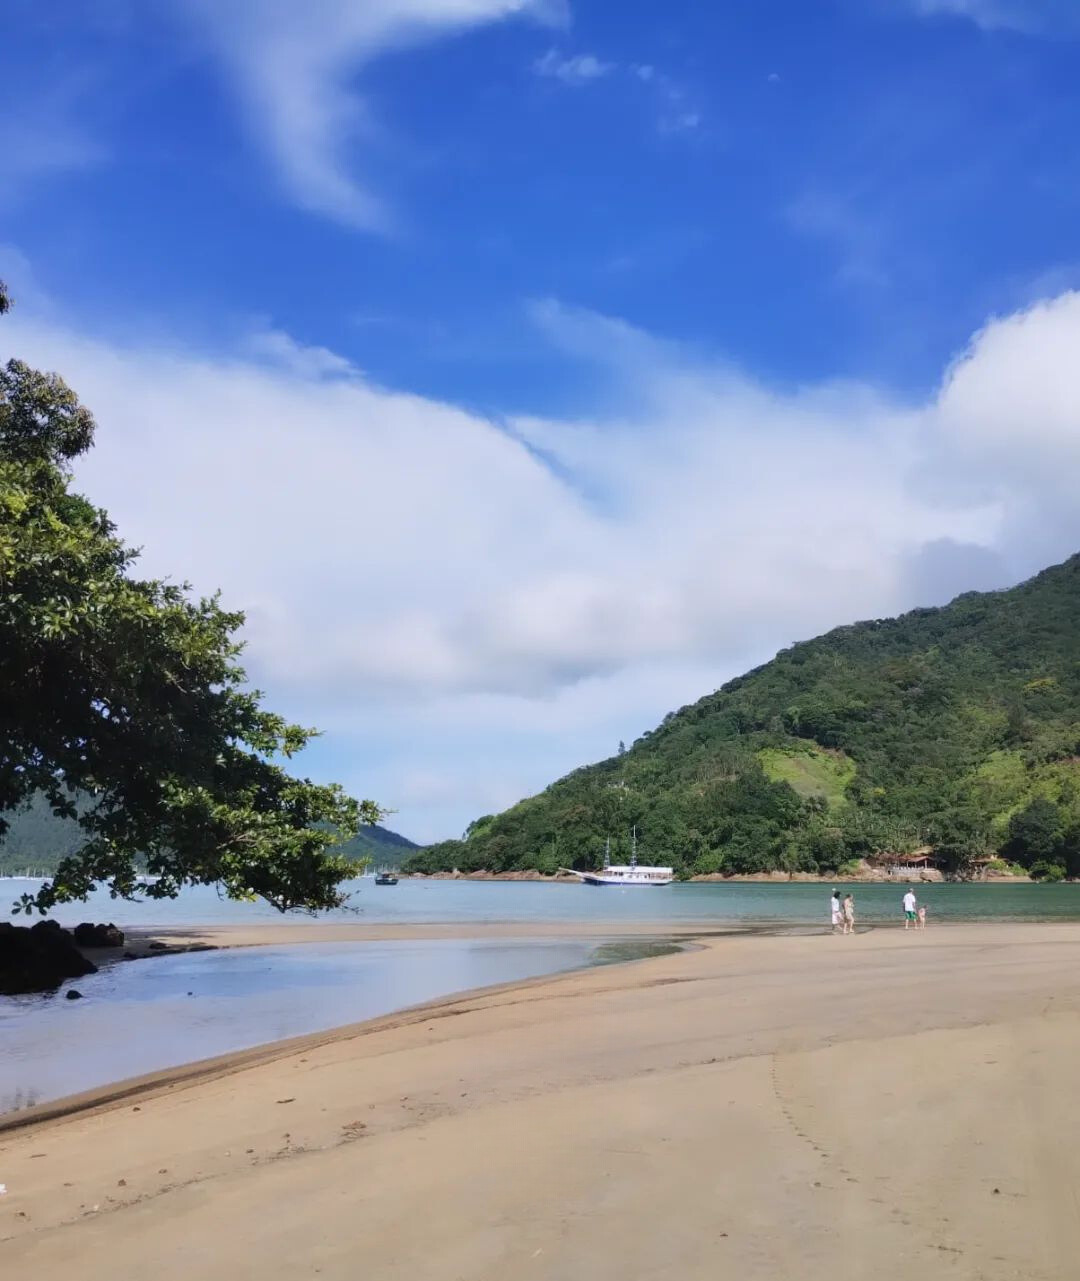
837	915
910	916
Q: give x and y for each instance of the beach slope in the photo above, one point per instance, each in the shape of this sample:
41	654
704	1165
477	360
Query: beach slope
759	1108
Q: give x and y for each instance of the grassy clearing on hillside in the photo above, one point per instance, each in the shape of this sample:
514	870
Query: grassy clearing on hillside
1005	783
810	771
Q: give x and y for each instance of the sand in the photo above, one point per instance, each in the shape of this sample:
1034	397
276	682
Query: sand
880	1106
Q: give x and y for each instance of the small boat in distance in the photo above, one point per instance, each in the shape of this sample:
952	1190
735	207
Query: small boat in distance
385	878
629	873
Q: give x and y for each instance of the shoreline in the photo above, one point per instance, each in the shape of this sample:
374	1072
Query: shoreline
182	939
737	878
756	1090
149	942
684	937
738	1109
149	1084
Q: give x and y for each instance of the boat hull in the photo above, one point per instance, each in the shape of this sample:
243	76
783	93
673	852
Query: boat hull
630	878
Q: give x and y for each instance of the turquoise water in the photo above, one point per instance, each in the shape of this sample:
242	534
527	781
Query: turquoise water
463	902
178	1008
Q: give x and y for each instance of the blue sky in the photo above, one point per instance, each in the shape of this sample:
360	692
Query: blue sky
526	368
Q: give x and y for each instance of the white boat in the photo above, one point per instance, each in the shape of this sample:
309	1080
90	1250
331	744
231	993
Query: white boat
632	873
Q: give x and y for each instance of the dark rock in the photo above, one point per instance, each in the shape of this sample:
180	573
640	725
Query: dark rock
88	935
157	946
48	927
73	995
38	958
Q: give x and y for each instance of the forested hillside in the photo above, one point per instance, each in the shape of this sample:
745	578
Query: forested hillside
380	846
37	840
956	727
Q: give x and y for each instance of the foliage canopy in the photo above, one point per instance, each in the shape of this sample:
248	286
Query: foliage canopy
123	704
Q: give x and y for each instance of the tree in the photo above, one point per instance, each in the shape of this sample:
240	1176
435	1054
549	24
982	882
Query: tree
959	838
1044	870
123	704
1036	834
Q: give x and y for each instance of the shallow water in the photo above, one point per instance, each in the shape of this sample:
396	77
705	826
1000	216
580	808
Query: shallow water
141	1016
470	901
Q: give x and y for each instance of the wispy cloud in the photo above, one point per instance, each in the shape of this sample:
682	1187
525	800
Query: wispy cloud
1034	17
674	113
579	69
856	239
293	68
45	132
679	121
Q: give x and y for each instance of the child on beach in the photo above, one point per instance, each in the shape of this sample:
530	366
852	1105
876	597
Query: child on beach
922	916
849	914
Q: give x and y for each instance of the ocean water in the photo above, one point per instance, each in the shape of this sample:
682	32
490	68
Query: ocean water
140	1016
465	902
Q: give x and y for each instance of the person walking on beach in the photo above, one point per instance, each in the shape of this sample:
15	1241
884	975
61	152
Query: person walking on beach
836	912
922	916
910	917
849	914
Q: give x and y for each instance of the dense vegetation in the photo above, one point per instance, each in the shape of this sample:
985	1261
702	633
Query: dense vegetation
37	840
956	728
377	845
123	703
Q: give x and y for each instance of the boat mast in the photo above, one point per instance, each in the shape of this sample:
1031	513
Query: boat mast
633	847
607	853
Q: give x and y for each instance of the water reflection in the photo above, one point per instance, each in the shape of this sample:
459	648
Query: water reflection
173	1009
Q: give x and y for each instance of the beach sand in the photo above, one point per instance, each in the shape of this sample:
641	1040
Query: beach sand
880	1106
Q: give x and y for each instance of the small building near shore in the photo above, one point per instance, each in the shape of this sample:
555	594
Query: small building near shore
922	863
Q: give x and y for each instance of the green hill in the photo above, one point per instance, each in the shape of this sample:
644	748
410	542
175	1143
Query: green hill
379	845
37	840
956	727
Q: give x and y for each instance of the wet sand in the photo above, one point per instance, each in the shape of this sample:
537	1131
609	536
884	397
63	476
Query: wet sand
760	1107
278	934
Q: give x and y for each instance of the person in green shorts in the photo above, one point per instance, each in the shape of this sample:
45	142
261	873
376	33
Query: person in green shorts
910	909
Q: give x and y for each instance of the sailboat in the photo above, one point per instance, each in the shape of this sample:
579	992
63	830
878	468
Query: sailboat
631	873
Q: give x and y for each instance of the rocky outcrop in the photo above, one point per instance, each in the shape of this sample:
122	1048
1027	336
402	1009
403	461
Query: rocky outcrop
38	958
87	935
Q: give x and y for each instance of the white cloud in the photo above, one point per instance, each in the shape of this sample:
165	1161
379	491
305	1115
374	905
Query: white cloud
471	608
674	116
293	68
1034	17
579	69
683	120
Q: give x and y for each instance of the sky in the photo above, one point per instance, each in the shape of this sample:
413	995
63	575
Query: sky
525	369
